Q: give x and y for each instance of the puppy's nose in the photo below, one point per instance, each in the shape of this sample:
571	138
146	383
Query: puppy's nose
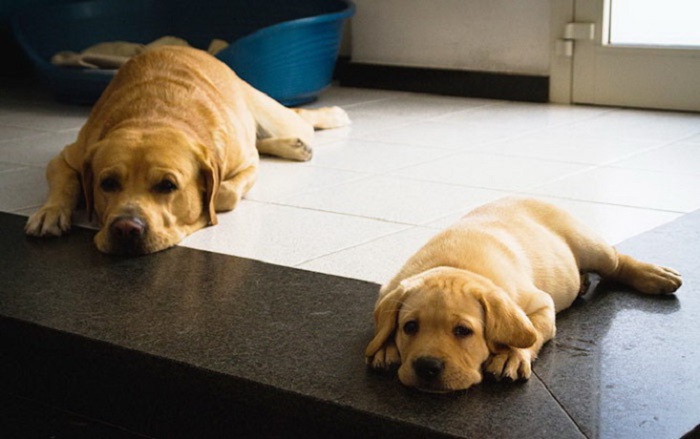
128	228
428	368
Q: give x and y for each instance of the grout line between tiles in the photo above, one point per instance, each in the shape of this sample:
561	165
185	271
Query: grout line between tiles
604	203
560	404
315	258
314	209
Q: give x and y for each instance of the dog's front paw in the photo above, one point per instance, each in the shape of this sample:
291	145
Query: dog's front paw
515	364
385	358
49	221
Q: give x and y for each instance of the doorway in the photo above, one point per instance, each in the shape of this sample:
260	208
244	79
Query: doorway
630	53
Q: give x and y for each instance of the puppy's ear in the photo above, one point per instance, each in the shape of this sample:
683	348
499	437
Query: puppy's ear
505	322
210	169
386	314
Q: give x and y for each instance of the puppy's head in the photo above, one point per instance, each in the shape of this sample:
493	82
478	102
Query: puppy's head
445	323
148	189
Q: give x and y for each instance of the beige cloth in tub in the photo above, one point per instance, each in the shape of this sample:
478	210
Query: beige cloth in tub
111	55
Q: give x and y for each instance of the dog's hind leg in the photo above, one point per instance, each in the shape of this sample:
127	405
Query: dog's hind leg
644	277
594	254
288	133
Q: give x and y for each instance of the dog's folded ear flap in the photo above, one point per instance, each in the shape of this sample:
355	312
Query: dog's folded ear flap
87	181
385	319
210	169
87	176
505	322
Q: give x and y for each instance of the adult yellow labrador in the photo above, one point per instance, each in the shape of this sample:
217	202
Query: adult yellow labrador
172	140
484	292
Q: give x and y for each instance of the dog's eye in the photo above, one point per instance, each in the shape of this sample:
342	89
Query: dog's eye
110	184
462	331
411	327
165	187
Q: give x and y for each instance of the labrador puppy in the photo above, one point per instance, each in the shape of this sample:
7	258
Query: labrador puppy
482	294
173	139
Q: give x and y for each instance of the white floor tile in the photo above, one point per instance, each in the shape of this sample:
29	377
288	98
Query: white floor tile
22	188
682	157
392	199
280	178
375	261
46	117
372	157
566	148
437	134
364	123
10	133
630	187
524	115
490	171
37	150
414	106
285	235
636	124
5	166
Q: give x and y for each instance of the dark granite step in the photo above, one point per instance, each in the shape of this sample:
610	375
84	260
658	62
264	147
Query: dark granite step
186	343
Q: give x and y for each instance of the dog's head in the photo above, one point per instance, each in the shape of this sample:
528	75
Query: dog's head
148	189
445	323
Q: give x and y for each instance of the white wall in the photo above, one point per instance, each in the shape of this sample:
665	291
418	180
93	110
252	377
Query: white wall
505	36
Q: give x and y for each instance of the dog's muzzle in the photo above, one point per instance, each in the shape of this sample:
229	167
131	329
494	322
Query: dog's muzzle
127	235
428	369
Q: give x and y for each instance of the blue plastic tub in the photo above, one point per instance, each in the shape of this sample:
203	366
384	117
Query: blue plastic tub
286	48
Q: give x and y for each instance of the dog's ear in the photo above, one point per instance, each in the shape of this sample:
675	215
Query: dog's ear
210	169
505	322
386	314
87	181
87	175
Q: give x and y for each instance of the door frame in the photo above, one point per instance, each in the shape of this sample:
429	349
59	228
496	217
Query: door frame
561	66
566	66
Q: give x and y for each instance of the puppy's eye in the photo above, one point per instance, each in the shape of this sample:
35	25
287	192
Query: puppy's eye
165	187
411	327
461	331
110	184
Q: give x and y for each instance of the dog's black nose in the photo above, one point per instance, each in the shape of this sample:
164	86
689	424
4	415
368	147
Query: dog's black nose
128	228
428	368
127	235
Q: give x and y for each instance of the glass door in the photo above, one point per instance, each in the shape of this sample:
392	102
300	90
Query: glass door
666	24
638	53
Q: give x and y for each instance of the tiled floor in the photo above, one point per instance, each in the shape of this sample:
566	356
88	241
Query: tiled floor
409	165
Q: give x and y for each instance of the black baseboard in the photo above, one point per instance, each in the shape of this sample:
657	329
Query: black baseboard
528	88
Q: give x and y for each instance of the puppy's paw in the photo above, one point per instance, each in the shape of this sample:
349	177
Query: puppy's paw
514	364
655	279
386	358
49	221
